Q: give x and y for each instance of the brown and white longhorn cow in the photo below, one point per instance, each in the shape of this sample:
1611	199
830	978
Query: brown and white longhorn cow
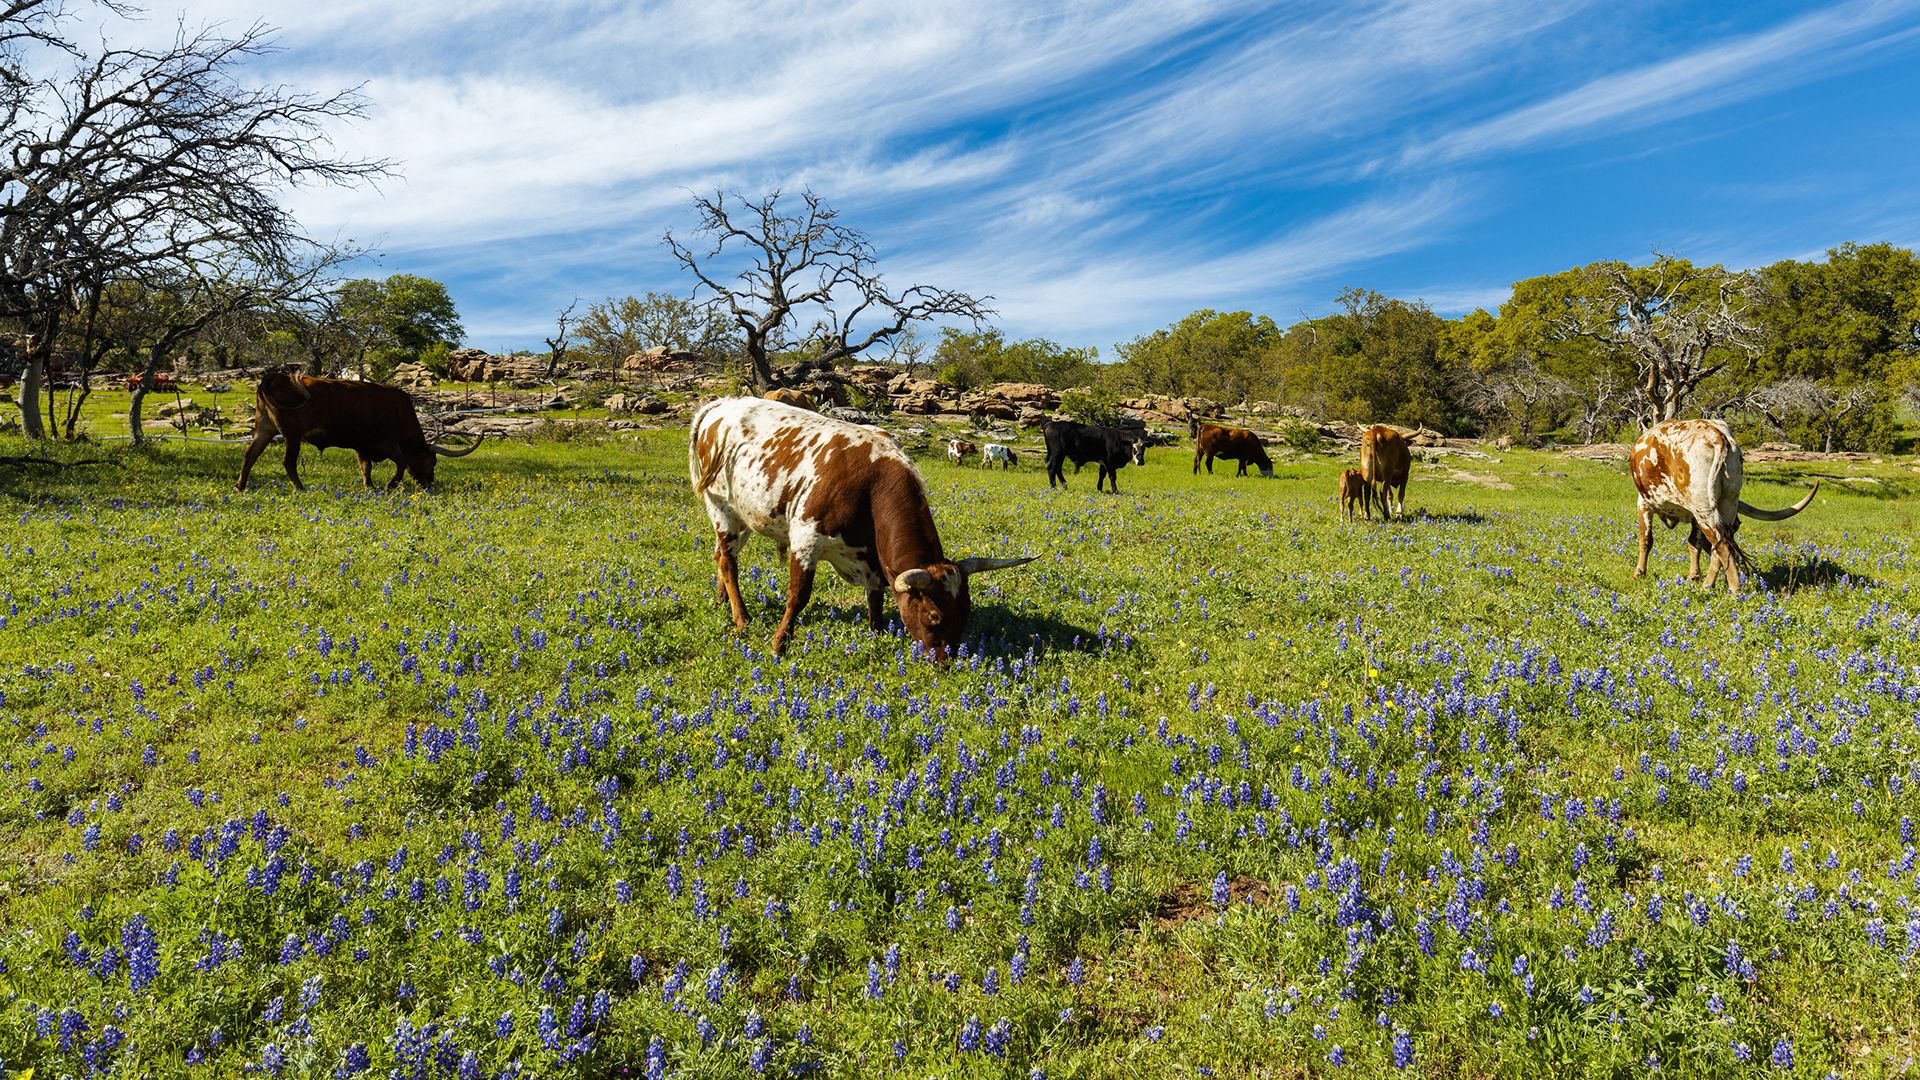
828	491
1690	471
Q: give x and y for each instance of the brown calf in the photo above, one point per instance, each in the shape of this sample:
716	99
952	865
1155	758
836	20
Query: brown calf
1353	489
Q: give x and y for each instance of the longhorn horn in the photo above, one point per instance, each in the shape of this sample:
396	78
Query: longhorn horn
981	564
1779	515
909	580
444	452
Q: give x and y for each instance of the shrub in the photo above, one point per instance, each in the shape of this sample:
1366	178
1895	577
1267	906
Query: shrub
1302	436
1091	405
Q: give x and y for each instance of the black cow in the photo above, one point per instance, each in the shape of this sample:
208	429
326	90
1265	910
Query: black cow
1081	443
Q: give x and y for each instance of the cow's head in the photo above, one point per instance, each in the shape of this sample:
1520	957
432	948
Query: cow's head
1137	450
1261	459
420	466
935	603
284	389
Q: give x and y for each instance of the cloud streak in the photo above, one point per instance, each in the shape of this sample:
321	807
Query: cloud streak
1101	169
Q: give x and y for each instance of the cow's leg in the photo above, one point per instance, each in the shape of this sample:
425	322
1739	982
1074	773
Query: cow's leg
1197	455
1710	540
1695	545
292	461
1726	552
799	591
1646	540
366	469
876	607
262	435
399	470
726	547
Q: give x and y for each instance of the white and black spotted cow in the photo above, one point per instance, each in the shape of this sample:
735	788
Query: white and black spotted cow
995	454
825	490
1690	471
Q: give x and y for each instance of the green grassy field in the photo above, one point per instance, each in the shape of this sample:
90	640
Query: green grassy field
481	782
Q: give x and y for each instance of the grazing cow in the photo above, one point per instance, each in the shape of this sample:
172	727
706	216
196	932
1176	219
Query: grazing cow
799	399
824	490
959	450
1353	489
1081	443
161	382
995	454
1691	471
1234	444
1384	463
375	421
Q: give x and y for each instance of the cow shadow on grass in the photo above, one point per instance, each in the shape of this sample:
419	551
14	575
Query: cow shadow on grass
994	629
1790	576
1416	518
998	630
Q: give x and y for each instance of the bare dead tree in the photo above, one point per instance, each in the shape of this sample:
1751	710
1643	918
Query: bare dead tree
801	265
557	344
1520	393
128	159
1672	318
1825	406
1604	404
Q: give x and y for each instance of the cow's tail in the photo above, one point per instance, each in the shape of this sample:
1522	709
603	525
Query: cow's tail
1778	515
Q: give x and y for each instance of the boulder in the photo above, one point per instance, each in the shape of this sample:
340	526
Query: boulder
414	376
988	404
469	365
171	409
1035	394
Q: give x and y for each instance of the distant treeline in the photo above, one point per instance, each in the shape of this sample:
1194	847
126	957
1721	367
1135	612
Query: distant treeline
1823	353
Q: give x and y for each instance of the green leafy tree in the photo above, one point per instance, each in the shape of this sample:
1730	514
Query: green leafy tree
982	357
1842	345
1216	354
614	329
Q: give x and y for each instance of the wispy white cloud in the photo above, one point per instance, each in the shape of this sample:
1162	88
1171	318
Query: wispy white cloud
1081	291
1698	81
1098	167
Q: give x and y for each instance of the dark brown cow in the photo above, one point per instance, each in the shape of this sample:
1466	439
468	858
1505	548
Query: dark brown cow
1234	444
828	491
1385	461
1691	471
1353	489
375	421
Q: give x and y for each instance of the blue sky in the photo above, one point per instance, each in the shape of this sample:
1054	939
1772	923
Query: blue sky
1104	168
